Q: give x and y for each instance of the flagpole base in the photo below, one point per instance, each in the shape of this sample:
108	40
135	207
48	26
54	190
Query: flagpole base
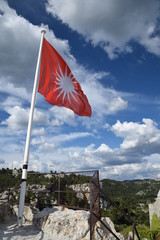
21	204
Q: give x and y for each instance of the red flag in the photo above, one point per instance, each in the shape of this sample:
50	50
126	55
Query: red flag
58	85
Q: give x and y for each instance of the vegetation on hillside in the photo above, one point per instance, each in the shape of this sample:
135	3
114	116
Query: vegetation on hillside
128	200
129	203
155	227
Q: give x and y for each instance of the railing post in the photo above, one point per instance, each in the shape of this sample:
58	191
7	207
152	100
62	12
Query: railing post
97	173
133	230
136	231
91	213
9	187
59	189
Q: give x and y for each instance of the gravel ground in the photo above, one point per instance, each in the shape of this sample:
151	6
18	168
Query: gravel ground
9	230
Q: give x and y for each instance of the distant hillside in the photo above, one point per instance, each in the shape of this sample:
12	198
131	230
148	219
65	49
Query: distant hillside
141	191
136	191
129	200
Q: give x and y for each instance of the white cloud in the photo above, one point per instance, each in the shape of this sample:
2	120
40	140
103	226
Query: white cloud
145	137
111	24
18	118
104	149
10	102
134	161
117	104
40	131
71	136
137	157
103	100
19	59
62	115
46	149
19	50
60	138
47	146
18	92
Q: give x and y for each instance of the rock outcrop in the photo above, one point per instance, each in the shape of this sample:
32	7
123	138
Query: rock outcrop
28	212
102	233
82	190
54	223
62	223
154	208
5	212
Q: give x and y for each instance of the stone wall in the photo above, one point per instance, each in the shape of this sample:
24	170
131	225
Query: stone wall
154	208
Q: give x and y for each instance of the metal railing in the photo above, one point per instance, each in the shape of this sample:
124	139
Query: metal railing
135	231
109	202
66	195
95	193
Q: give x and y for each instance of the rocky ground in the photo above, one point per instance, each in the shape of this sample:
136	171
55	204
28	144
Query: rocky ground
10	230
52	223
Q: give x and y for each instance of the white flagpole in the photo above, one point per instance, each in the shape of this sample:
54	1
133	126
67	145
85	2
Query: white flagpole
26	153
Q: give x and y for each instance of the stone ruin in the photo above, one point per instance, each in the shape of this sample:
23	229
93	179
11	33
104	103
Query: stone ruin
154	208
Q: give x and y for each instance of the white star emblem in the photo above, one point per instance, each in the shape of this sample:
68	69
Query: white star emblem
66	84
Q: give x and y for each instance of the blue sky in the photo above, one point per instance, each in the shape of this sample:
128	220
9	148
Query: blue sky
113	50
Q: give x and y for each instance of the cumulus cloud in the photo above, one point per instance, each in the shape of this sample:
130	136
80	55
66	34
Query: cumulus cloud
131	171
18	63
40	131
137	157
46	147
103	100
19	49
10	102
57	139
61	116
128	161
18	118
145	137
111	24
18	92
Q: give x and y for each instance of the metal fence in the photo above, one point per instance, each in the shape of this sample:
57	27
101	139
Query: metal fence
94	202
77	190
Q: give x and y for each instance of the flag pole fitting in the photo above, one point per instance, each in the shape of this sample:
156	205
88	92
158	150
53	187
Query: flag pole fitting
43	31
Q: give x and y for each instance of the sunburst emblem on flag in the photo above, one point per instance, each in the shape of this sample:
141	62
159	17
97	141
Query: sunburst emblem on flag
66	84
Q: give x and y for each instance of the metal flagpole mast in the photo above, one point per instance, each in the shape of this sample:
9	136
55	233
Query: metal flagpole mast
26	153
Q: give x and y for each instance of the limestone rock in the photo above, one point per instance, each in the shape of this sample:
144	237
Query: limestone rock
102	233
62	223
5	212
4	196
28	213
40	218
82	190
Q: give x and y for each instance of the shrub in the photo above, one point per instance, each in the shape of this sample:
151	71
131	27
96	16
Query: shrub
155	227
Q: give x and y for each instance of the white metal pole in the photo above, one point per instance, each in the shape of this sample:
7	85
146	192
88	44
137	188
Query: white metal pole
26	153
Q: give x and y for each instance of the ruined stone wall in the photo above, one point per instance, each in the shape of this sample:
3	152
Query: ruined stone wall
155	208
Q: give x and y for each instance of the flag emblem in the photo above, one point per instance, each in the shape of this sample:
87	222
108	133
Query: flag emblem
66	85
